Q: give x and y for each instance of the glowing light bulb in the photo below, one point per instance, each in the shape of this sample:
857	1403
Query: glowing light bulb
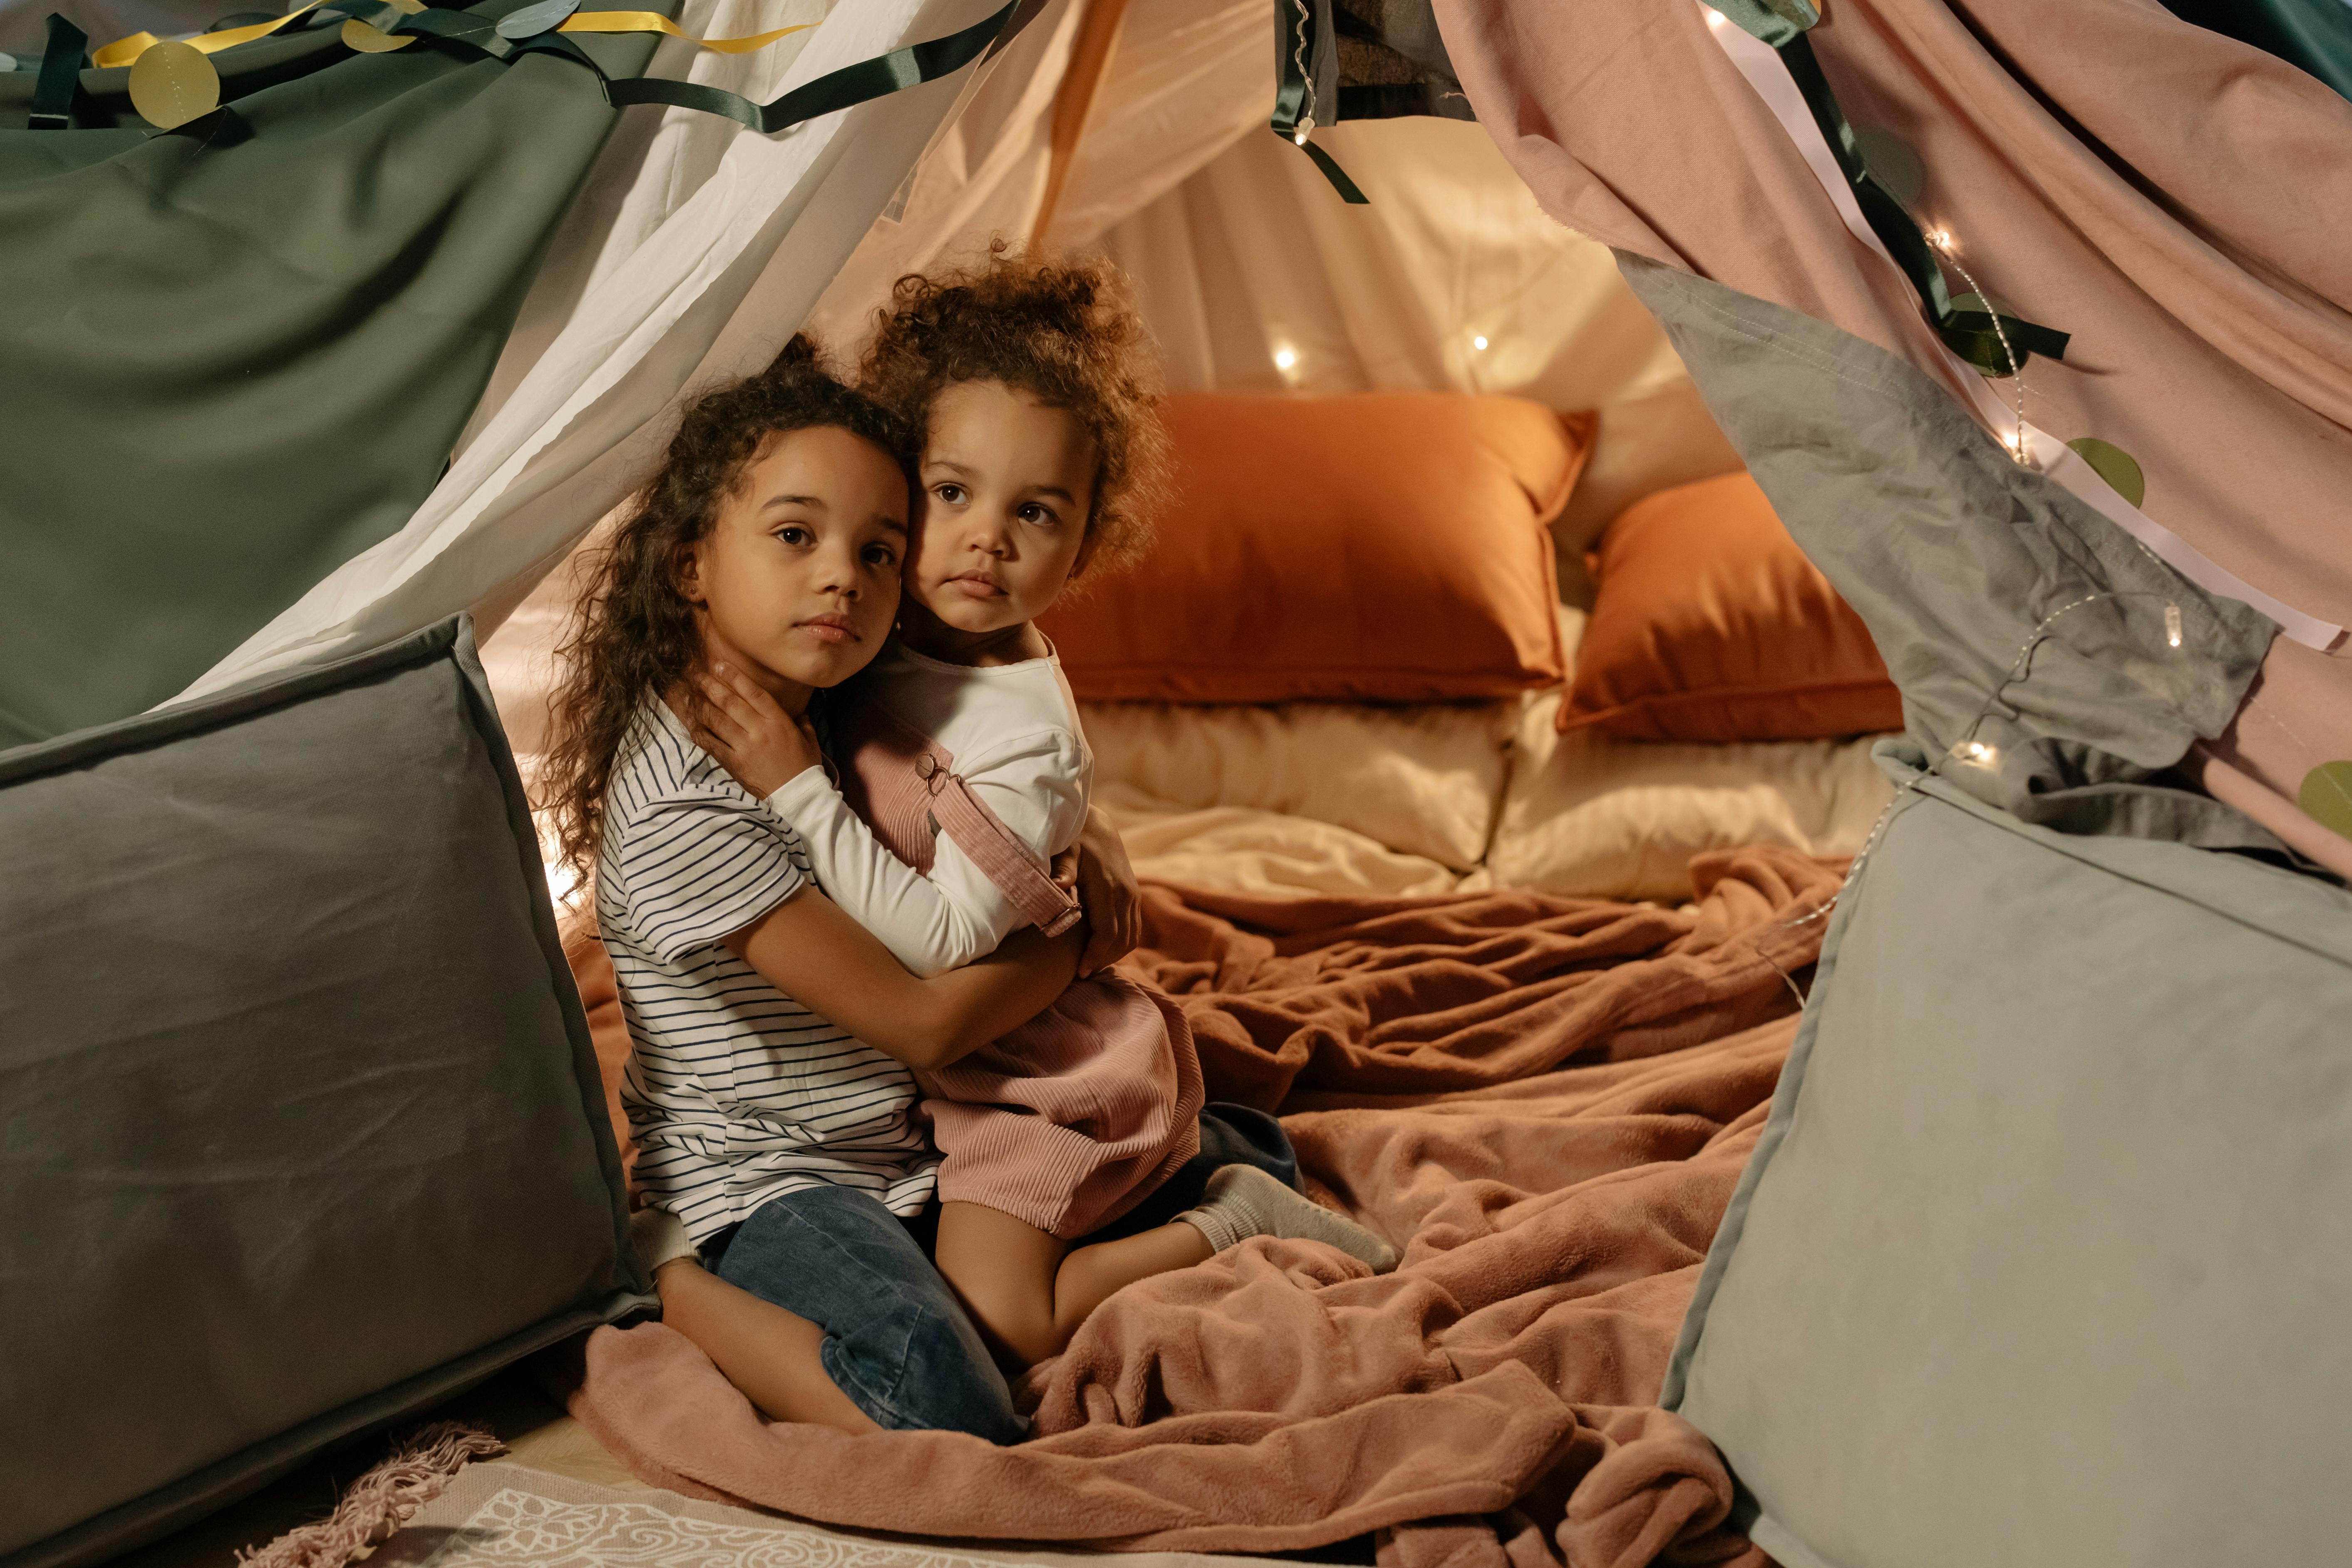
2172	624
1941	239
1716	20
1285	358
1478	343
1975	752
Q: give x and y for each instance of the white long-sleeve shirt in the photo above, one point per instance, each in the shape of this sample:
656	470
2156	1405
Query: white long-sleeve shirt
1014	731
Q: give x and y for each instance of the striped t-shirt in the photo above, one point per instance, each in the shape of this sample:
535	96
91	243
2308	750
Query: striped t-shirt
735	1092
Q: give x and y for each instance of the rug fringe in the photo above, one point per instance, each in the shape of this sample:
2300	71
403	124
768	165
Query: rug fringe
380	1501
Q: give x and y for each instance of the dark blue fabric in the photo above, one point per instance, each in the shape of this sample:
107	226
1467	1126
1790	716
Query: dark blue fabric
895	1340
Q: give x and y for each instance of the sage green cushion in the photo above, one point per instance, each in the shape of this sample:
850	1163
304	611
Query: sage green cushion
2042	1258
302	1126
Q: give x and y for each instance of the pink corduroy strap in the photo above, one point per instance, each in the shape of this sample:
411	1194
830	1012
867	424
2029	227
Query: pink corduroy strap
1002	857
898	776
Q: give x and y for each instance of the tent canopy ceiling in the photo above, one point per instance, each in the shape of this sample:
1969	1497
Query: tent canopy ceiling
2197	271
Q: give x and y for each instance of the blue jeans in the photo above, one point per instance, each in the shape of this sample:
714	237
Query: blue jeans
896	1339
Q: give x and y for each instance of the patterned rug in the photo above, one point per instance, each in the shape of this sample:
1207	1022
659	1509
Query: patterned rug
505	1516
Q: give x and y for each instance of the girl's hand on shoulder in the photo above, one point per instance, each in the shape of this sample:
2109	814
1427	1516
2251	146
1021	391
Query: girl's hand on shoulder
750	733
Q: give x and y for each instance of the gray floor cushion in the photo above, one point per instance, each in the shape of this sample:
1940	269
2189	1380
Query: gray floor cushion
2042	1258
301	1125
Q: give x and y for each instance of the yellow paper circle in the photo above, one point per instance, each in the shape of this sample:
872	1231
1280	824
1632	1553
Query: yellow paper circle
358	35
2113	464
2326	797
172	83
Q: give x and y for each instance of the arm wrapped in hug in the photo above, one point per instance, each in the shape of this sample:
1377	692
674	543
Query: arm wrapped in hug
987	875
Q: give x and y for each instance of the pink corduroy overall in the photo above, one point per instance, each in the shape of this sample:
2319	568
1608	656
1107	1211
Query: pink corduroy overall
1076	1117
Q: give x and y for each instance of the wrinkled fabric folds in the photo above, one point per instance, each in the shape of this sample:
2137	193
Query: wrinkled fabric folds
2196	255
1546	1102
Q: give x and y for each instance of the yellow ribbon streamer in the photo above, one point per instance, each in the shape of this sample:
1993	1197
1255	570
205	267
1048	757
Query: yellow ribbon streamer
654	22
124	51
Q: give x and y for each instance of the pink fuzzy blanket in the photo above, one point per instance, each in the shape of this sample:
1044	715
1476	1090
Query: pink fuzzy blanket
1546	1101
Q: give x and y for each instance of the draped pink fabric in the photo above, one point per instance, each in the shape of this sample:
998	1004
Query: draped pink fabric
2180	202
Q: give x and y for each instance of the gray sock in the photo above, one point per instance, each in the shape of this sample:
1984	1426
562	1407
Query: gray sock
1243	1201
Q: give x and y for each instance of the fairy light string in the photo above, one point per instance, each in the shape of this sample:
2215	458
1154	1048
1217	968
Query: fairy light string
1941	239
1971	751
1296	98
1306	126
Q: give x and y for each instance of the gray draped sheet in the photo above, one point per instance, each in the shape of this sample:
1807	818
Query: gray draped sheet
2028	633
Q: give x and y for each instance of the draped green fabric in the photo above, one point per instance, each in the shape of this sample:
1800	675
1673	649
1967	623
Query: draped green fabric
238	354
2315	34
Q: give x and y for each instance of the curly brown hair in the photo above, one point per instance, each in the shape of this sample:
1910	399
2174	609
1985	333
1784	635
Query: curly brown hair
1063	332
633	634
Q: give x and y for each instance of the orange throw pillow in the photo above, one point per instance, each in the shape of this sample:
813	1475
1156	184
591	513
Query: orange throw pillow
1711	624
1385	547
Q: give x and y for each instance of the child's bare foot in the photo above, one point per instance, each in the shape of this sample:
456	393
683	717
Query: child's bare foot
1243	1201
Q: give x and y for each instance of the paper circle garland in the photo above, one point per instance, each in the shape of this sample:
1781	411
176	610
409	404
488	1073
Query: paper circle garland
1892	162
367	40
2326	797
541	16
1991	304
2113	464
172	83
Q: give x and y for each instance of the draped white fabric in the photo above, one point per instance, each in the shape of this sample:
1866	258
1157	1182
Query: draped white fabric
700	250
1187	80
697	248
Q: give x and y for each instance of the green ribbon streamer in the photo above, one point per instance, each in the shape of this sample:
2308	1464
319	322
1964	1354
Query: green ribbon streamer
1347	188
852	84
1294	41
843	88
1774	21
479	33
53	91
1972	334
849	86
